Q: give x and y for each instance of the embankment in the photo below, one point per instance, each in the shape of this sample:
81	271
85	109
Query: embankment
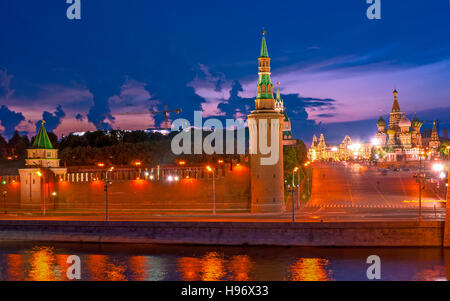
344	234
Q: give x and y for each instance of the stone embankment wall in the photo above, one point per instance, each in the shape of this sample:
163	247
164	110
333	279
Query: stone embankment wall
348	234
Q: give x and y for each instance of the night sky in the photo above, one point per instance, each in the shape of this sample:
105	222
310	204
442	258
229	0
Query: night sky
336	68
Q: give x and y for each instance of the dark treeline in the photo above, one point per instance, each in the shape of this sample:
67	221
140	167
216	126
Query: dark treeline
126	147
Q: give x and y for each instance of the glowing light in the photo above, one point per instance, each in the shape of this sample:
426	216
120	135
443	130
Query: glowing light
355	146
101	164
181	162
151	177
375	142
220	161
438	167
208	168
442	175
296	169
146	173
176	178
334	149
138	163
39	173
170	178
4	182
54	193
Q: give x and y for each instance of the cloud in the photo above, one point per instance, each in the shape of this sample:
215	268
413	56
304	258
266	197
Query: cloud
128	108
5	82
79	117
231	104
9	120
52	120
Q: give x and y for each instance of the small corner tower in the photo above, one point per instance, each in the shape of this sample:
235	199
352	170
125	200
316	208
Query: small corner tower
266	123
42	170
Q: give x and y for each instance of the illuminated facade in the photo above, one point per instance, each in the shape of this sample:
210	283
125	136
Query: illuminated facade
346	150
400	140
288	139
42	168
266	181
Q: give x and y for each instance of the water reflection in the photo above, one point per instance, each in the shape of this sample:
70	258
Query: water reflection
310	269
43	265
119	263
241	267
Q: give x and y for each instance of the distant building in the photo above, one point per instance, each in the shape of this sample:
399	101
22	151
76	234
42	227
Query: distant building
346	150
288	139
400	141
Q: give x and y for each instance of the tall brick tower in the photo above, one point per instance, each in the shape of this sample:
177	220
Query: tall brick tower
267	184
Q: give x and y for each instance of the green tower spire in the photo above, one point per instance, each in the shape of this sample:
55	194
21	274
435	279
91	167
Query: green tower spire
265	87
264	52
42	140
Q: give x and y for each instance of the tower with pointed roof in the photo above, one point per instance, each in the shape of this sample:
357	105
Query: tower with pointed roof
42	153
434	141
404	140
37	180
288	138
266	169
395	115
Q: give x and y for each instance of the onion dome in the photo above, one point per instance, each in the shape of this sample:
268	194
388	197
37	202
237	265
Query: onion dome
381	121
404	122
416	122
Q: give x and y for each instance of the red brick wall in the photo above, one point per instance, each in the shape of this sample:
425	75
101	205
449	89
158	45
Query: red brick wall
232	193
12	195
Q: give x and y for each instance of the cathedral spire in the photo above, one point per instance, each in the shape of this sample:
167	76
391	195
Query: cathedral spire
395	106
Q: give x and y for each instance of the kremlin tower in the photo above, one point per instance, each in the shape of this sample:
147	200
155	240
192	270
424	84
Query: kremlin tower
39	176
267	183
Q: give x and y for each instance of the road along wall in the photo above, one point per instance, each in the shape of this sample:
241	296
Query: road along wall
336	234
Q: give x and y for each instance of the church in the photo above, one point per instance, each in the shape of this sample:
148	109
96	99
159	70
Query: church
402	139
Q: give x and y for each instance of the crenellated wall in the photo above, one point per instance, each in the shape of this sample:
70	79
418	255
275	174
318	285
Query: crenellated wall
147	190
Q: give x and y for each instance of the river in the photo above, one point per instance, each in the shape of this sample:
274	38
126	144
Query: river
47	261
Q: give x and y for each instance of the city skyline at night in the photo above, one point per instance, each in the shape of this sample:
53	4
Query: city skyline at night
334	79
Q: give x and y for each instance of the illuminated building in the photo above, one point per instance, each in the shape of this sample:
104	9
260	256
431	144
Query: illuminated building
267	183
288	139
42	168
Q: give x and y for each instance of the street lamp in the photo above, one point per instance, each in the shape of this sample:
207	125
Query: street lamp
293	194
419	179
209	169
39	174
106	193
4	199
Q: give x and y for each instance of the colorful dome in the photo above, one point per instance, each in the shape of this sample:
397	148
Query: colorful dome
404	122
381	121
416	122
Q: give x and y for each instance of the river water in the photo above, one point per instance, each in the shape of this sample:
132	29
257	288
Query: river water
47	261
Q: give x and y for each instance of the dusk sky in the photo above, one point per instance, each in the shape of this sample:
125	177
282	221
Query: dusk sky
337	69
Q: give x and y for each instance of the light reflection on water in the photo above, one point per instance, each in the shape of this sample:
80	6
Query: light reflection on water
113	262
